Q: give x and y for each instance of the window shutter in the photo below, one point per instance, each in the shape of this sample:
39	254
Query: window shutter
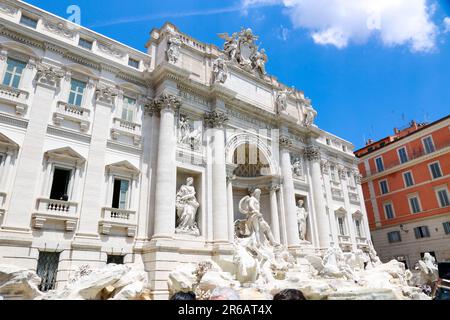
427	231
417	232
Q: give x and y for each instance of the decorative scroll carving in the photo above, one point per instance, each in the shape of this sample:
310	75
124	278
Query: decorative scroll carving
111	50
59	28
285	141
106	94
216	119
312	153
8	9
49	75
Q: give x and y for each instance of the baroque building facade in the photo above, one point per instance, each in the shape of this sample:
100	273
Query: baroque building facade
109	154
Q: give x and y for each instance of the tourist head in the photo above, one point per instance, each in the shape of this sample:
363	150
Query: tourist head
223	293
183	296
289	294
189	181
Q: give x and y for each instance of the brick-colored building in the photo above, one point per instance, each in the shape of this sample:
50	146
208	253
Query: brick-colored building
405	181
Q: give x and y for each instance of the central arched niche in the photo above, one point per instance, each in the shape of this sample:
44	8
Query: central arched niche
250	162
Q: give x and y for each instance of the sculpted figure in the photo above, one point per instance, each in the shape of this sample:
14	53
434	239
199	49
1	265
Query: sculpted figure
187	205
302	216
428	268
335	265
281	100
297	168
310	115
173	50
220	70
259	61
184	128
230	46
255	223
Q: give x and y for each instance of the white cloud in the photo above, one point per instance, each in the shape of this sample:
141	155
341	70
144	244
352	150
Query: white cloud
447	24
341	22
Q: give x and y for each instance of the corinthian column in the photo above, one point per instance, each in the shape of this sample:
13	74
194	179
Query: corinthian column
166	171
313	156
275	220
216	121
293	239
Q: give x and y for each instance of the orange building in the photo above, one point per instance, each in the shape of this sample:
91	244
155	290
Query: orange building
405	181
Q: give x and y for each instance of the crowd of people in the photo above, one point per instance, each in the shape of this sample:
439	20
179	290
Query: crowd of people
230	294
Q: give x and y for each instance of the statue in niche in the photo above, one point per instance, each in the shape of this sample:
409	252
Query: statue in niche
220	70
259	61
302	216
297	168
255	223
281	100
173	49
310	115
187	205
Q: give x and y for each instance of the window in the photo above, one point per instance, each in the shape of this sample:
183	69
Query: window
28	21
389	211
370	149
435	170
414	204
421	232
384	187
60	185
333	173
341	225
120	194
428	144
442	196
408	179
379	163
13	72
47	268
128	108
328	142
114	258
133	63
76	92
446	227
344	148
358	228
402	155
87	44
351	179
394	236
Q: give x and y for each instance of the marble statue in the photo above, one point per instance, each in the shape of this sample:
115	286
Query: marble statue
374	259
302	216
428	268
310	115
220	70
187	205
335	265
281	100
173	49
259	61
230	46
250	207
297	168
187	135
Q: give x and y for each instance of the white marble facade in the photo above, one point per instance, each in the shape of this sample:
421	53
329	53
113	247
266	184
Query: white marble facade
184	119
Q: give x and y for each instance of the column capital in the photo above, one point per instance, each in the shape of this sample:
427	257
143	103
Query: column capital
105	94
49	76
216	119
166	102
285	141
274	187
312	153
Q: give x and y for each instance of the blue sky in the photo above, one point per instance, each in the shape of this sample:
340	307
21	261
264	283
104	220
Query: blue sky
365	71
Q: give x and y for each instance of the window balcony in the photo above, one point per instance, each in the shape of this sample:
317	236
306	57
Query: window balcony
73	113
118	218
337	194
16	97
353	197
345	242
362	242
126	128
55	210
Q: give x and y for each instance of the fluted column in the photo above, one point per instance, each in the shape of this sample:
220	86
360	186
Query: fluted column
313	155
293	239
216	121
230	208
166	171
274	216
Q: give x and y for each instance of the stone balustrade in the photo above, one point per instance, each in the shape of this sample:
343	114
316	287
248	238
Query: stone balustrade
127	128
70	112
55	210
119	218
16	97
353	197
362	242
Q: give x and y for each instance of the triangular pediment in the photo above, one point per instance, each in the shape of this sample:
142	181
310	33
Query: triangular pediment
357	213
124	167
7	144
66	154
341	211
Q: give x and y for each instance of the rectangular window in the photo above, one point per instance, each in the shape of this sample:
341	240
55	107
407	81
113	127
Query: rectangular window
28	21
114	258
380	165
14	70
408	179
87	44
402	155
341	224
133	63
435	169
328	142
442	195
76	92
47	269
60	184
344	148
421	232
389	211
394	236
428	144
128	108
414	204
120	194
358	228
446	227
333	173
384	187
